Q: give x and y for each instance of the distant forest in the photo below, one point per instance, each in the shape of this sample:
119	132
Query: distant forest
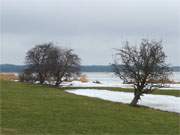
85	68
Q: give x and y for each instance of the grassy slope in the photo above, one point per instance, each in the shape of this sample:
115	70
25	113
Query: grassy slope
33	109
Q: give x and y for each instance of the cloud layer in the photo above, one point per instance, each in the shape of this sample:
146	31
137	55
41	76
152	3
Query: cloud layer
91	27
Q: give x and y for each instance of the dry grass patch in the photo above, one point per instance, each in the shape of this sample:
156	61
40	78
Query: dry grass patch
83	79
8	76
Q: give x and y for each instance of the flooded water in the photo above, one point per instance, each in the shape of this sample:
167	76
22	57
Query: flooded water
109	77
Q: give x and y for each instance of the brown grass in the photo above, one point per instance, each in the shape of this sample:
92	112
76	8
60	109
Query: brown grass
8	76
83	78
8	131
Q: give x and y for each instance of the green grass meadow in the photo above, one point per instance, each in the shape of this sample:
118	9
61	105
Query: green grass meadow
28	109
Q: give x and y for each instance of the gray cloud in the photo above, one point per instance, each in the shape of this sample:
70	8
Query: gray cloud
91	27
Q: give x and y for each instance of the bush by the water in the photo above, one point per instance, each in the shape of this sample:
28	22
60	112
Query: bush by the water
83	78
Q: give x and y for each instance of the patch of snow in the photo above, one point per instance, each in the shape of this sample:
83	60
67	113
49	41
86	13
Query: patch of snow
161	102
37	82
171	87
119	85
91	84
46	82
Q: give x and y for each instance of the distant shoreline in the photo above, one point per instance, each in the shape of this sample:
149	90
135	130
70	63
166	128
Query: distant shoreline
84	68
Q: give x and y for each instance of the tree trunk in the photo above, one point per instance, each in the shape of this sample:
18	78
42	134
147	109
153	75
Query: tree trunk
59	77
41	78
135	100
41	81
58	81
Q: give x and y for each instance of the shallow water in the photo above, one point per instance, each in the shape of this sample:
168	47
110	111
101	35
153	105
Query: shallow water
109	77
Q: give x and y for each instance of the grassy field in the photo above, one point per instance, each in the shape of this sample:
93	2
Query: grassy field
35	110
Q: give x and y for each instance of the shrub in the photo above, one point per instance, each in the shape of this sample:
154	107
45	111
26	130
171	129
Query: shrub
83	78
25	77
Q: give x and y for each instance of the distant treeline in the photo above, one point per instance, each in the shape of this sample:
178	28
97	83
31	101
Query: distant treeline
12	68
89	68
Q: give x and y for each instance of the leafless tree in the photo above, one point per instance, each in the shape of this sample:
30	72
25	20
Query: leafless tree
37	60
66	65
140	65
49	61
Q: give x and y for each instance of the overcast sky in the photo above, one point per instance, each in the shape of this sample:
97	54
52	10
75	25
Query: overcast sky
91	27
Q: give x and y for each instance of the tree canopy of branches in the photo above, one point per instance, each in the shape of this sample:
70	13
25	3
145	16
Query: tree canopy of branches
48	61
66	65
37	59
140	65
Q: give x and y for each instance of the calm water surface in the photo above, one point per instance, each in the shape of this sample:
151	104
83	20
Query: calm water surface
107	77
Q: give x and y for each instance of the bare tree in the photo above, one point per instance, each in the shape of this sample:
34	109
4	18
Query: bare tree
37	60
48	61
66	65
140	65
